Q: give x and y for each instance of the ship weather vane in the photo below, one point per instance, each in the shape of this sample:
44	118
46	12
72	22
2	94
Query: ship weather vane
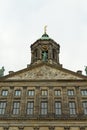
45	29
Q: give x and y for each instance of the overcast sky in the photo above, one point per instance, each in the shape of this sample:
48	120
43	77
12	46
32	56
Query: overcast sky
22	23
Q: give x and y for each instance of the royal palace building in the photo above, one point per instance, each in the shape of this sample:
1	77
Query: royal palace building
43	96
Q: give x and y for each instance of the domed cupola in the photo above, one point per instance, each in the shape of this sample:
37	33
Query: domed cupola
45	49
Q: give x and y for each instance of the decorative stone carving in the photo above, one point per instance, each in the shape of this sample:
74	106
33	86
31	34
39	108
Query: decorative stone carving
36	128
21	127
44	72
51	128
5	127
82	128
67	128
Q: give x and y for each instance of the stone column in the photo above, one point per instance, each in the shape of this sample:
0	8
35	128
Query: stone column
36	128
51	128
79	107
66	128
82	128
50	103
57	54
39	52
23	101
21	127
5	127
50	52
37	102
65	109
9	101
32	55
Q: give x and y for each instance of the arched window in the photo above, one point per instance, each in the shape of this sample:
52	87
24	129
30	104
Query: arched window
44	55
54	54
35	55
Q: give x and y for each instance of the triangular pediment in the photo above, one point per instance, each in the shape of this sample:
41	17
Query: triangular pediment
44	72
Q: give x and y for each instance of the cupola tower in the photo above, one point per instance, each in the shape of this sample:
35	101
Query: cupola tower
45	49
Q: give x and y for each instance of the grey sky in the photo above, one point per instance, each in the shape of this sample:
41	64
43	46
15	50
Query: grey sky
22	23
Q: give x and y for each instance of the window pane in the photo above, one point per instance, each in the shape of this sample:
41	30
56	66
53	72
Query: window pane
4	92
85	107
57	92
16	107
30	92
44	106
84	92
2	107
72	108
44	92
17	93
30	108
58	108
70	92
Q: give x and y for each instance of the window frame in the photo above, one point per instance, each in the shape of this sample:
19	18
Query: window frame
57	92
16	107
31	92
58	108
84	92
70	92
30	108
44	92
17	93
84	105
72	108
4	92
3	105
44	108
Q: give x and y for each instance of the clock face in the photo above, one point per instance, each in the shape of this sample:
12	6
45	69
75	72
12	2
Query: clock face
45	47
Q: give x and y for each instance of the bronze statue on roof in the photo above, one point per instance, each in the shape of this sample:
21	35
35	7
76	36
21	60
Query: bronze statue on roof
2	71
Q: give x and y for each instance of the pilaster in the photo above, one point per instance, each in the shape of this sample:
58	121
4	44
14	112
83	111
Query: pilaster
66	128
51	128
82	128
5	127
36	128
21	127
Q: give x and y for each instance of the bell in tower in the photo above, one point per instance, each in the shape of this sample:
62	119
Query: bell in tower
45	49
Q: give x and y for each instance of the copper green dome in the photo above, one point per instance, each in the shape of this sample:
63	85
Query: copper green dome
45	37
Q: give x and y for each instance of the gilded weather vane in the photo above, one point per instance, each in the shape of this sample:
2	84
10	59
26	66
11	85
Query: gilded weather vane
45	29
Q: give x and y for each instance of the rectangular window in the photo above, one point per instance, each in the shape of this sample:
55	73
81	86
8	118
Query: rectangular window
58	108
44	106
31	92
57	92
16	108
72	108
4	92
30	108
70	92
2	108
44	92
85	107
84	92
17	92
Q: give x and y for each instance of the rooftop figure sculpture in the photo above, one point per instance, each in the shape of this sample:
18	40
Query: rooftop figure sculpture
2	71
44	56
86	70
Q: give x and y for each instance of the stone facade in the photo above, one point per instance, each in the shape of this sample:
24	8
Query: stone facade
43	96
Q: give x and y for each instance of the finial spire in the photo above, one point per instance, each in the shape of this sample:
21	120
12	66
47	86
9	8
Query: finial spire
45	29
